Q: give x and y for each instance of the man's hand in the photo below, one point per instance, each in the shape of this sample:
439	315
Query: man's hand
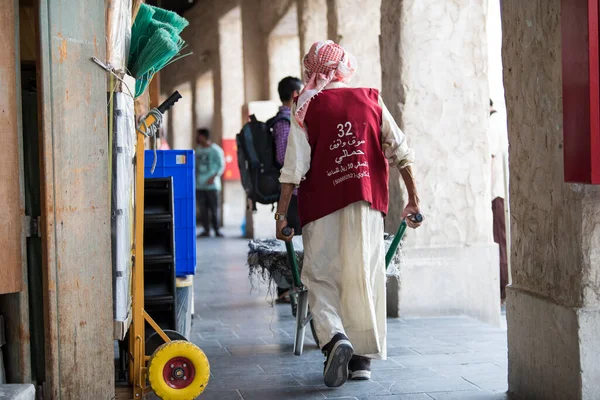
412	208
279	230
211	180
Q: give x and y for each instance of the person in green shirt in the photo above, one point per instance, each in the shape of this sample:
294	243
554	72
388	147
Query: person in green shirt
210	165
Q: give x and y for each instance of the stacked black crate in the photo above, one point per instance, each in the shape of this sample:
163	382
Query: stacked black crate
159	252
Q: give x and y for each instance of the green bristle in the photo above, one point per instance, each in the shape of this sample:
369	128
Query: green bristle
171	18
141	84
159	50
156	24
140	32
155	42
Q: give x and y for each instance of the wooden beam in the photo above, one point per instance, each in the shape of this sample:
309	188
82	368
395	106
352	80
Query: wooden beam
76	227
154	91
11	212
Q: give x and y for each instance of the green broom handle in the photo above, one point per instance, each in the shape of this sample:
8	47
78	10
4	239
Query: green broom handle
291	254
398	237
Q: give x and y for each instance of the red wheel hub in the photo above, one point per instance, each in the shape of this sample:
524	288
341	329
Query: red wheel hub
179	372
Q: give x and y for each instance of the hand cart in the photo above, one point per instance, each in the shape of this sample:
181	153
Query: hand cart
299	293
176	368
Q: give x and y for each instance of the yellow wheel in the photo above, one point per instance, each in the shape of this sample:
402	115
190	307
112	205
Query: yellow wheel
178	370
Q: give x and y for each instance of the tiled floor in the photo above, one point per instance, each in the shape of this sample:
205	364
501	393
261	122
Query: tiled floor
249	345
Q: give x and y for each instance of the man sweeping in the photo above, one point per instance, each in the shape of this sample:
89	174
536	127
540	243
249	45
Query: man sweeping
340	142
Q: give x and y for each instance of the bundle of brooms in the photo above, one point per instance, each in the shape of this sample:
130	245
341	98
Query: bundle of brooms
155	43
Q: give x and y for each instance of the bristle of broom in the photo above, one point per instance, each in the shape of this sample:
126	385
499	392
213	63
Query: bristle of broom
156	53
171	18
155	42
140	32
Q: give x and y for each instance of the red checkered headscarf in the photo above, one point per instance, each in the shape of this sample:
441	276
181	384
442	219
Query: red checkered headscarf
325	62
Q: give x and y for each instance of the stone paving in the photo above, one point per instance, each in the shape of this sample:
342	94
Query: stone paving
249	345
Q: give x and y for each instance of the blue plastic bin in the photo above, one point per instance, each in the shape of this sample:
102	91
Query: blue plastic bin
180	164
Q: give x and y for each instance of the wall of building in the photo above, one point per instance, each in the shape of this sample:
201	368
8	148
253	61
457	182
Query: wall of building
553	317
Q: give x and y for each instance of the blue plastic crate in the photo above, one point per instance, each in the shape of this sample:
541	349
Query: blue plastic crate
180	164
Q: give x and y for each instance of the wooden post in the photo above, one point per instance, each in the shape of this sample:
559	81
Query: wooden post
76	227
14	297
154	91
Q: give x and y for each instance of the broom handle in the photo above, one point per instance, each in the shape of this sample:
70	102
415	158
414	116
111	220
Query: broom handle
398	237
291	254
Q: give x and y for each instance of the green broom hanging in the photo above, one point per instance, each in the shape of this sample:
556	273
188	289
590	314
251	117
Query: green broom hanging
155	42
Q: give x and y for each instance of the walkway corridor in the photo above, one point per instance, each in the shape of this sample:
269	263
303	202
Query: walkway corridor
249	345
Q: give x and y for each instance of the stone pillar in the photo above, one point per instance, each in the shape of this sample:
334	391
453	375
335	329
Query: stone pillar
393	97
553	302
231	74
435	84
256	52
205	102
312	23
284	51
355	25
181	114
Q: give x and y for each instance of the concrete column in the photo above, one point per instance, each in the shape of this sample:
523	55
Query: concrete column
284	51
205	102
553	303
312	23
355	25
435	75
393	96
231	74
256	53
181	114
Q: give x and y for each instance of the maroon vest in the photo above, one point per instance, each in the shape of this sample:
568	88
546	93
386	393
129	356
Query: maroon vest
347	161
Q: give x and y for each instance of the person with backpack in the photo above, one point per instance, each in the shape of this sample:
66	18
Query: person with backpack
288	89
340	143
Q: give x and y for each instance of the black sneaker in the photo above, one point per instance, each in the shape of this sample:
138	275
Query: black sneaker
219	234
338	353
204	234
360	368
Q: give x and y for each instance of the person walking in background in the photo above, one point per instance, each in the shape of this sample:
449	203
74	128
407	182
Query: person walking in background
499	149
288	88
210	165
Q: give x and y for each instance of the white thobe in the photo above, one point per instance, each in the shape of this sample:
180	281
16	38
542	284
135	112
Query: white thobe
344	252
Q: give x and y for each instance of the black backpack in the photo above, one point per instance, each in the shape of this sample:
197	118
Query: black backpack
259	169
